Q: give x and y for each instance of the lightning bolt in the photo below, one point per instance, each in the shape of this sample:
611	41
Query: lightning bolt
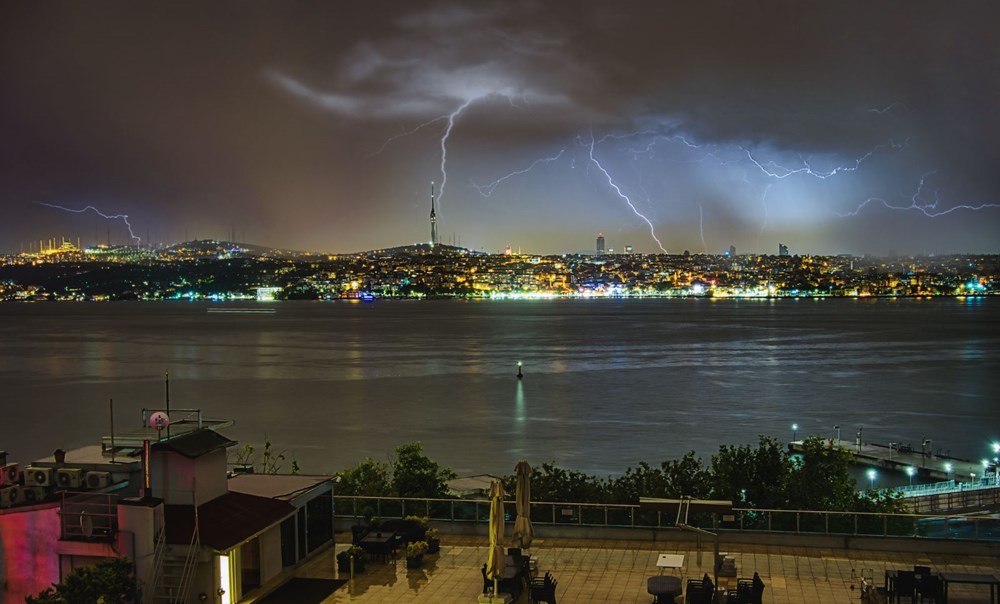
888	108
618	190
701	227
444	143
122	217
487	190
927	209
763	203
407	133
808	169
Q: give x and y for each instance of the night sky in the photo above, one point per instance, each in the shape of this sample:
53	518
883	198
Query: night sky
833	127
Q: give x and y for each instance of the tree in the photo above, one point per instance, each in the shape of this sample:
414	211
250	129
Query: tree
821	478
752	477
369	477
110	581
416	475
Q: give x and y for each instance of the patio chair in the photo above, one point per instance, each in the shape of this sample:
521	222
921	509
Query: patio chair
931	587
357	534
544	590
743	594
905	586
757	589
699	591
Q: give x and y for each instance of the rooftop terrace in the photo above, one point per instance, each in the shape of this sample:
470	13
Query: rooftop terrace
616	571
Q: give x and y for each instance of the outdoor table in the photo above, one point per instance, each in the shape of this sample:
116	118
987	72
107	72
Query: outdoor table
670	561
663	588
377	544
971	578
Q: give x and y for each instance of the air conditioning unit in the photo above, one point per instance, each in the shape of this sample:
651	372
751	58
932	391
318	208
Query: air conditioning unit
98	480
9	474
69	478
33	494
37	477
10	496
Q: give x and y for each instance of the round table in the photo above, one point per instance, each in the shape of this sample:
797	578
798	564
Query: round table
663	588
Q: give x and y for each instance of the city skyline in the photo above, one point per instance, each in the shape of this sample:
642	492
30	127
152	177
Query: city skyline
832	129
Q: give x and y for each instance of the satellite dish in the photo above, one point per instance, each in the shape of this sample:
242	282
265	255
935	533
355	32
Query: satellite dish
158	420
86	524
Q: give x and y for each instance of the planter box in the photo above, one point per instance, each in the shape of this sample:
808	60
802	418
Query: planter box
415	562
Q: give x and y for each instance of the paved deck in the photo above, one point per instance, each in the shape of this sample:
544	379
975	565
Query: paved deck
616	571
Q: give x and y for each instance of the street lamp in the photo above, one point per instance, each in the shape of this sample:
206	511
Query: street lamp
837	428
795	428
871	477
948	468
910	471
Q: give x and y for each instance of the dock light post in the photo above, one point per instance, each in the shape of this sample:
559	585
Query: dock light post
837	428
795	428
871	476
948	468
910	471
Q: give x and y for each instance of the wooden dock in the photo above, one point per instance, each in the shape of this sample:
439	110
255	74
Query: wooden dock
928	466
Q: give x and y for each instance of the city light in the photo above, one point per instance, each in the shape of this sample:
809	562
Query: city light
910	471
871	477
795	428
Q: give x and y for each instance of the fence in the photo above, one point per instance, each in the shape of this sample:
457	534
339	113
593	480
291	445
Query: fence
544	513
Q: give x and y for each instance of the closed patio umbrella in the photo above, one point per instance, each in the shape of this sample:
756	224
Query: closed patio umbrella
495	557
522	525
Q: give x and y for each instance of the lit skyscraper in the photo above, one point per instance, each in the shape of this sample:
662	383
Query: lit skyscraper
782	249
600	243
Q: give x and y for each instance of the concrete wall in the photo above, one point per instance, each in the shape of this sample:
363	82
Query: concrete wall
270	554
175	477
28	560
141	522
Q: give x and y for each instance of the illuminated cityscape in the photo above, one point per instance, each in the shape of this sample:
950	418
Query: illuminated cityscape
218	270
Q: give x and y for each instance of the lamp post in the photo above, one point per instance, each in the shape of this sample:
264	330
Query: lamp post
795	428
871	476
910	471
837	428
948	468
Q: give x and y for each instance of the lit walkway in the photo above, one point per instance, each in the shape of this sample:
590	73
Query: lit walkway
616	571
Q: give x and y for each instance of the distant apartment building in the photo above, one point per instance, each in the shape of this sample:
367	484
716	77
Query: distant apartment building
194	533
600	243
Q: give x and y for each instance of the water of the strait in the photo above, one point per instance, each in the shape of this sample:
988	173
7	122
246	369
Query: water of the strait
607	383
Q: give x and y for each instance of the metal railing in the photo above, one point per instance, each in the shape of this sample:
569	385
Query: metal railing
546	513
939	488
88	516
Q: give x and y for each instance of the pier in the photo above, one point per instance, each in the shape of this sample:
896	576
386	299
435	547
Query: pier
926	465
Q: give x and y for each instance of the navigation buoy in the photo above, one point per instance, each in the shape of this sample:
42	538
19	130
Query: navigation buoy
519	374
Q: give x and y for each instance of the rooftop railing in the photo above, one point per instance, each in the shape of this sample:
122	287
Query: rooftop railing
546	513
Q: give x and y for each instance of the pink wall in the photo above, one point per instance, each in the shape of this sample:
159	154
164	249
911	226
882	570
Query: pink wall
28	559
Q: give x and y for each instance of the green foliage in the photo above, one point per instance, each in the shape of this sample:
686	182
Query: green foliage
551	483
416	549
751	477
674	478
369	477
821	478
416	475
110	581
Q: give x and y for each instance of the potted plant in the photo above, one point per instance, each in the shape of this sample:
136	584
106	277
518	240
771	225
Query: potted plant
433	541
344	559
416	527
415	554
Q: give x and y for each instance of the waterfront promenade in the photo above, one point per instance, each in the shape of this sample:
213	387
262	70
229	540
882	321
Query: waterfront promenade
616	571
